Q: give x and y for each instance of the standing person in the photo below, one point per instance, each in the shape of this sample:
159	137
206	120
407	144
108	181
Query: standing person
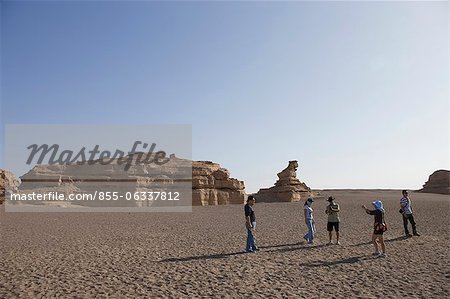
309	220
406	210
250	223
379	228
333	219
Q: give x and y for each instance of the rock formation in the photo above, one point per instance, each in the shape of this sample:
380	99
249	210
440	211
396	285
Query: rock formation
438	182
98	177
212	185
8	182
209	183
287	189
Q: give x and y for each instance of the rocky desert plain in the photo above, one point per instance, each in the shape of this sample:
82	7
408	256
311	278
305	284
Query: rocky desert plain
201	254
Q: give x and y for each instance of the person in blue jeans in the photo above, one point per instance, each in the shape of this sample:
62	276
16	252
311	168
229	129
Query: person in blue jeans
250	223
309	220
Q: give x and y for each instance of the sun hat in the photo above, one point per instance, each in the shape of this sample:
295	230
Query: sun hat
378	205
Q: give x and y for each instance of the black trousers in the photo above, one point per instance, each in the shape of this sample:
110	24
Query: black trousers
409	217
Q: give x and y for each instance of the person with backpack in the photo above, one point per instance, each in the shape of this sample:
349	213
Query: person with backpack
333	219
379	228
406	211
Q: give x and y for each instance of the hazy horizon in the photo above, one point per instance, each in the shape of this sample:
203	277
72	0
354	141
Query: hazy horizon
357	92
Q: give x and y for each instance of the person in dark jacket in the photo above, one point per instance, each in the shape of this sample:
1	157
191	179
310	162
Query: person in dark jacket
379	228
250	224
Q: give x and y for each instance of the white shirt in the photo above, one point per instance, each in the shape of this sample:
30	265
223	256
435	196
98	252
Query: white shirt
405	202
309	211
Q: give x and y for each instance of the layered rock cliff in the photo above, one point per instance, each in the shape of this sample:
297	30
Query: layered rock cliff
209	183
438	182
212	185
8	182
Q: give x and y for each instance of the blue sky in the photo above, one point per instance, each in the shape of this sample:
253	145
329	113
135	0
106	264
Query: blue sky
357	92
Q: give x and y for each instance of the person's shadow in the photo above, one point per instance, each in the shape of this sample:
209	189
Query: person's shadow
350	260
272	248
203	257
280	245
387	241
283	248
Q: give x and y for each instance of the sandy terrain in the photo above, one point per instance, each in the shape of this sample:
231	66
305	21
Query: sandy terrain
199	254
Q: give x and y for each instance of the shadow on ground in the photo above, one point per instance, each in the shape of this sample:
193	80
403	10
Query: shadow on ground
272	248
203	257
281	248
350	260
387	241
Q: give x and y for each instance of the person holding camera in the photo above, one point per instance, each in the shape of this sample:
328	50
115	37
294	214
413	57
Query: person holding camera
379	228
333	219
406	211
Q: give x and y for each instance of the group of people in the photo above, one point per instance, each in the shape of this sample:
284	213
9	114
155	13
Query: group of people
333	210
333	220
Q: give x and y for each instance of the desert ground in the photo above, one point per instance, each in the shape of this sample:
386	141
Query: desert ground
200	254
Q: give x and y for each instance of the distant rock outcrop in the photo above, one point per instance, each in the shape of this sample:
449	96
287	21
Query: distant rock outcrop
102	177
288	188
212	185
438	182
8	182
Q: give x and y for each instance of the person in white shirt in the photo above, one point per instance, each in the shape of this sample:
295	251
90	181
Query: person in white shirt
309	220
406	210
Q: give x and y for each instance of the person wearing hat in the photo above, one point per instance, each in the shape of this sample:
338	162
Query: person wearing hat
379	228
309	220
333	219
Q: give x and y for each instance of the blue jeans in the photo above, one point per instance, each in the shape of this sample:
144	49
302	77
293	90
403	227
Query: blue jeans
251	245
310	234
